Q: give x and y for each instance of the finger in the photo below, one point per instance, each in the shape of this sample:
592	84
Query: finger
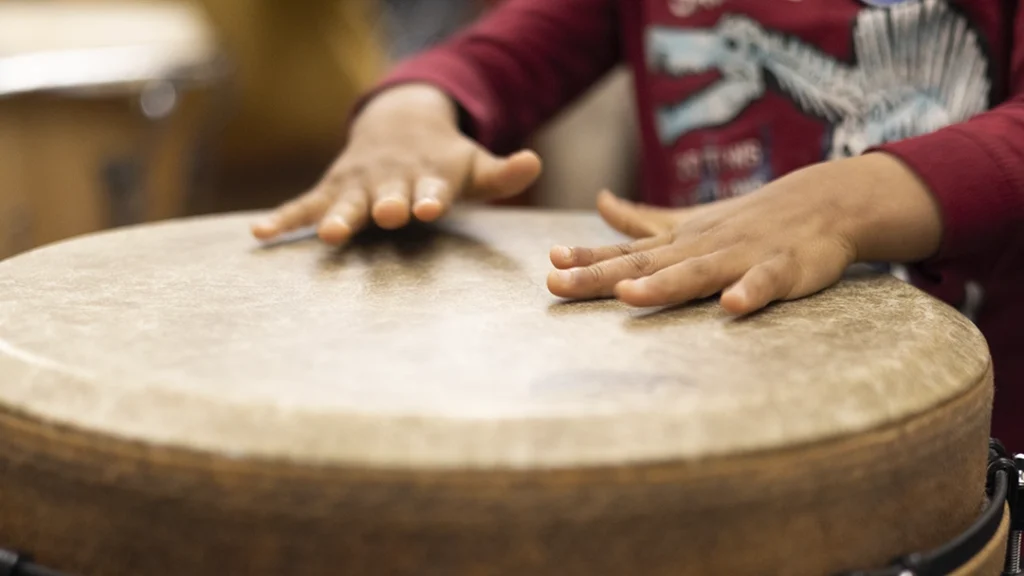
600	279
348	215
564	257
763	284
691	279
391	203
495	178
302	211
431	198
632	219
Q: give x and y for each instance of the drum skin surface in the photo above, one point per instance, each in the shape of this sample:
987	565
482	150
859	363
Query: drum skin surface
175	398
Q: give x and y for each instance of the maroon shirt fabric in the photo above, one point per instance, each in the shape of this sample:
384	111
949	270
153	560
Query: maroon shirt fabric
736	93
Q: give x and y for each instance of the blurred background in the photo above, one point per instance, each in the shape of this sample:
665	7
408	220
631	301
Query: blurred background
115	113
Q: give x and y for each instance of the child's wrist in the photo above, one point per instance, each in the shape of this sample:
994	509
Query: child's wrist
893	215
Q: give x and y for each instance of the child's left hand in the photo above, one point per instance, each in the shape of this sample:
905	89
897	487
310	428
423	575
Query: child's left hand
792	238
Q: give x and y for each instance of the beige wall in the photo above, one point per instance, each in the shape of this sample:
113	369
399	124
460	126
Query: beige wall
592	146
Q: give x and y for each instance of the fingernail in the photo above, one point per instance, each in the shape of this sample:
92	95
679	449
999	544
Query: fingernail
391	200
422	202
563	252
339	221
564	275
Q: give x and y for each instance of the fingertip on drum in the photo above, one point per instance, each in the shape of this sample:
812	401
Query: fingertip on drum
638	294
560	283
428	210
528	162
562	257
265	229
391	213
334	231
738	301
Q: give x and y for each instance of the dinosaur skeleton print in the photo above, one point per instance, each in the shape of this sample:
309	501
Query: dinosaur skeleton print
912	68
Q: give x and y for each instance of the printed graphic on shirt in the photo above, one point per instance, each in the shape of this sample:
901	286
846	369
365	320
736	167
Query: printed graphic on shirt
726	170
884	3
918	66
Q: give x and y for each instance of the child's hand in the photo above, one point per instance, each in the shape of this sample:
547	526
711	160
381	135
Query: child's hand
792	238
405	157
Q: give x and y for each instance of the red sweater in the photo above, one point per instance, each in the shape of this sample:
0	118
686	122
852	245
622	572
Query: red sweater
735	93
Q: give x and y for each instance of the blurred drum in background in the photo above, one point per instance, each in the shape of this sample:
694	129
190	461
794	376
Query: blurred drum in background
102	107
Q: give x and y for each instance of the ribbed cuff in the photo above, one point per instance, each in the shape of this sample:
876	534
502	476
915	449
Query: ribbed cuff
456	78
972	180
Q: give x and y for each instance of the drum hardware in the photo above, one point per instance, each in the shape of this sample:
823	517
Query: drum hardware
1003	488
12	564
1013	552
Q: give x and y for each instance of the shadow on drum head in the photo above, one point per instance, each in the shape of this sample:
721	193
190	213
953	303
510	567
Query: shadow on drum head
299	236
636	317
415	243
421	244
656	317
585	306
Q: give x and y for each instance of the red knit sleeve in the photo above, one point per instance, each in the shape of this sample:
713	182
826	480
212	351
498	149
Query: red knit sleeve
975	169
521	64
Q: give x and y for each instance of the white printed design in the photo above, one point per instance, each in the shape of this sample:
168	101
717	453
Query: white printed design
684	8
723	171
919	67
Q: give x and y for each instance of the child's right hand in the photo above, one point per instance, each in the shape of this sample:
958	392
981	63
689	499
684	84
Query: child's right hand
405	157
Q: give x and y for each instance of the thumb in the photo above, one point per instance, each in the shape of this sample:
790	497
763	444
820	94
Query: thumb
492	177
632	219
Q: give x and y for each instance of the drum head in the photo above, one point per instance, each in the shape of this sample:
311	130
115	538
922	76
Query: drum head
446	350
437	355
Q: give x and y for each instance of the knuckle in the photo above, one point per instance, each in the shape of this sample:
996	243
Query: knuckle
595	274
769	278
423	165
582	256
742	237
336	179
356	202
380	168
431	180
774	276
390	186
640	262
315	202
788	255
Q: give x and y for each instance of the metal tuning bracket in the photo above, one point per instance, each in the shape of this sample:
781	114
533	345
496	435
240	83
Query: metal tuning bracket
1004	487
